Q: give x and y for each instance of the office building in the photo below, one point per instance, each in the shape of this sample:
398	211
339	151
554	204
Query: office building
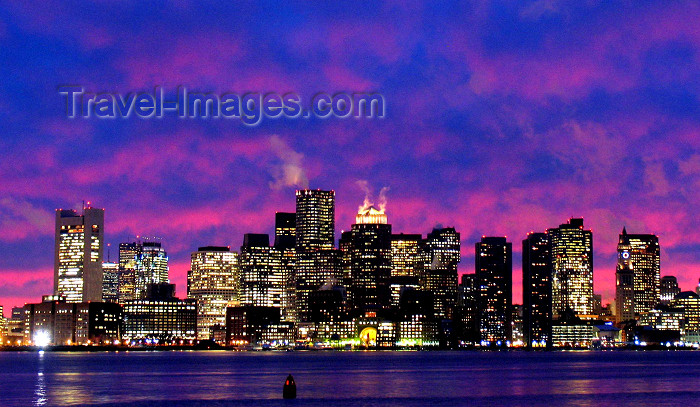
316	260
14	333
668	289
79	241
689	303
141	264
315	219
494	274
439	257
537	290
639	255
517	334
572	268
400	284
328	304
285	229
263	283
416	323
127	268
110	282
466	318
624	294
370	261
160	317
57	322
255	325
3	326
404	254
285	242
213	281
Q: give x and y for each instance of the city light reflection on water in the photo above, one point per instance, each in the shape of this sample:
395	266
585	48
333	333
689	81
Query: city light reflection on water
349	378
40	391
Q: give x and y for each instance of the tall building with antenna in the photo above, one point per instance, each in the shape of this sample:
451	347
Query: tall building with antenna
78	251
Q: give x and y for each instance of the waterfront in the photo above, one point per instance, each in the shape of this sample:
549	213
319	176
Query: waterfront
350	378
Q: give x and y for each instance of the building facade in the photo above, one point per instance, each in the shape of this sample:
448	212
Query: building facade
263	283
439	257
78	250
466	318
213	281
537	290
640	255
160	316
572	268
494	274
285	245
110	282
369	261
669	289
141	263
316	260
57	322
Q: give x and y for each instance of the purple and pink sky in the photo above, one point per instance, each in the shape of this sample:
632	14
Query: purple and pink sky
503	117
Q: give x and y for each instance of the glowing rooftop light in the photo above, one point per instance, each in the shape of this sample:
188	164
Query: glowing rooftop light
370	216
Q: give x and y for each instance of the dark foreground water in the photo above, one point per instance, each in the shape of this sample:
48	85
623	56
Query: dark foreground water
350	378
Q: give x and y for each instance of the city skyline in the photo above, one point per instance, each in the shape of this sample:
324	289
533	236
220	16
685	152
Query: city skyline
501	119
365	214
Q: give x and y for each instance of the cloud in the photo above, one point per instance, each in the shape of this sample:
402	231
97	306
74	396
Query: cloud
289	170
20	219
503	118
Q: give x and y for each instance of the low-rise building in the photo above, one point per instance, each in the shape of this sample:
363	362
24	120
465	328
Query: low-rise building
160	318
56	322
689	303
255	325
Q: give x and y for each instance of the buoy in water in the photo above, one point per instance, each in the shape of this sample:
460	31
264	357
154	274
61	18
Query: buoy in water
290	388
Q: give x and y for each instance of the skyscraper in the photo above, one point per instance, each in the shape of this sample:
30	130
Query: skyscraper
316	261
624	293
110	282
404	254
141	263
572	268
285	242
315	219
466	318
151	267
640	254
439	257
669	289
127	267
285	229
78	254
262	281
537	290
370	260
213	281
494	274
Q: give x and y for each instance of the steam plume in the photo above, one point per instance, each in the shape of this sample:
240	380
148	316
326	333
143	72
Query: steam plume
289	170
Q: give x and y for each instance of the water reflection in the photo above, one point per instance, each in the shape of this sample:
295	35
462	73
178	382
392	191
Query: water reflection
352	378
40	390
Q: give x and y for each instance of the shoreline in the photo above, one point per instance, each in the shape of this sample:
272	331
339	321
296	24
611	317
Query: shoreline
117	349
